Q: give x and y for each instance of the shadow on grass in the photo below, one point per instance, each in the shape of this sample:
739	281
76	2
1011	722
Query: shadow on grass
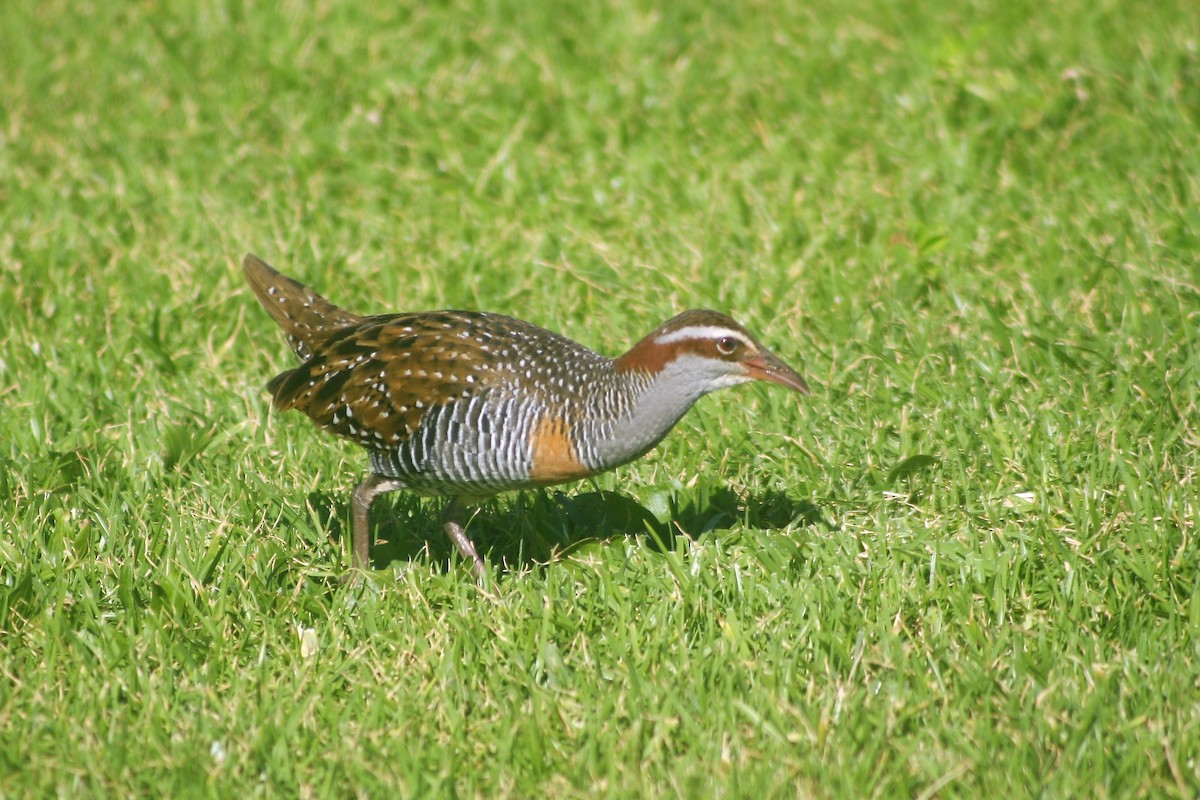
539	527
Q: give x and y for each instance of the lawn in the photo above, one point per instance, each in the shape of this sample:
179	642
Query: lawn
965	566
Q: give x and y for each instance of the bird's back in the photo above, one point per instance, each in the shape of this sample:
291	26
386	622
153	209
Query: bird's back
453	401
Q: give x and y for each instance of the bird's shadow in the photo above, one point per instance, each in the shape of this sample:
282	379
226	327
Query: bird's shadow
540	526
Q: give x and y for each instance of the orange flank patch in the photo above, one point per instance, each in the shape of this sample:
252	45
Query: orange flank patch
554	458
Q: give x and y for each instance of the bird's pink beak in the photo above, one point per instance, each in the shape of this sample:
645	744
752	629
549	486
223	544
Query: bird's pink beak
767	367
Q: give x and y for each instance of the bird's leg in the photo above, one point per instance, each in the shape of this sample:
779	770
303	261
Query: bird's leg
452	524
364	496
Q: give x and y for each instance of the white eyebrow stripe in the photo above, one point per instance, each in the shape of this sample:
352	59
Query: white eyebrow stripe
702	332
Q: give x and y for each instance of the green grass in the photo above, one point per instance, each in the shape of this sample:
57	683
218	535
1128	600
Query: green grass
966	566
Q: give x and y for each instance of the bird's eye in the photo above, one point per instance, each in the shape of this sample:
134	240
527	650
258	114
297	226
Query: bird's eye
726	345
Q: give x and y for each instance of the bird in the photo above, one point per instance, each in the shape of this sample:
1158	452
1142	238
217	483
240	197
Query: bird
467	404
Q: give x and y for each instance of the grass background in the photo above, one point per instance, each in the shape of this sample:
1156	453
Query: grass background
966	566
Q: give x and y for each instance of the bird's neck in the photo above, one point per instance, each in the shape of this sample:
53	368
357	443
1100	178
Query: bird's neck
644	406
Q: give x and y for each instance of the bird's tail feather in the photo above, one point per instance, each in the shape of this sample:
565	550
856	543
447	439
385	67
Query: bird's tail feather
306	318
